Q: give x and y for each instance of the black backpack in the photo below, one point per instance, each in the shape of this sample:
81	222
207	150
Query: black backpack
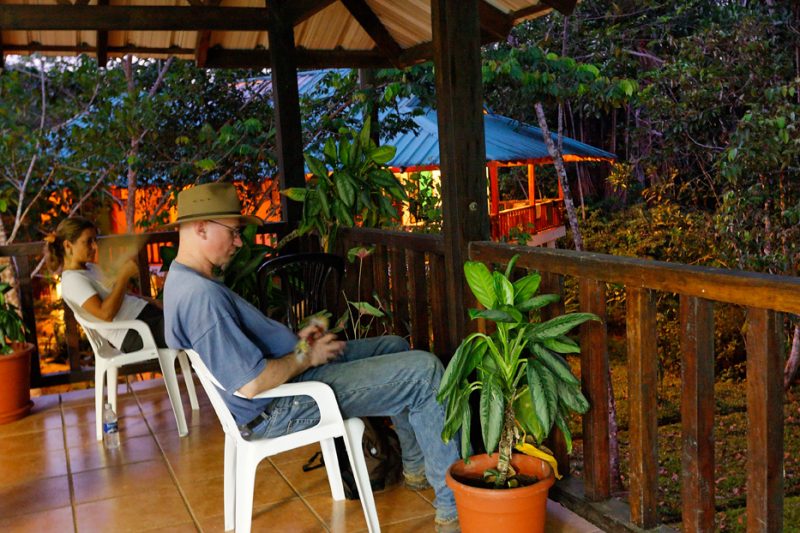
381	454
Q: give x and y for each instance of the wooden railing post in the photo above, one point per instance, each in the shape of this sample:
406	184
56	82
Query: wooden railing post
594	380
642	386
25	293
764	421
554	284
697	413
418	289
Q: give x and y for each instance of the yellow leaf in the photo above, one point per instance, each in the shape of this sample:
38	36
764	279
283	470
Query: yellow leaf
533	451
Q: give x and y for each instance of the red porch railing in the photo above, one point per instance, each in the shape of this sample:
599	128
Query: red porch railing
532	219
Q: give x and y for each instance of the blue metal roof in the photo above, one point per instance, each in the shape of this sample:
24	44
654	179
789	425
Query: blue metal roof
507	140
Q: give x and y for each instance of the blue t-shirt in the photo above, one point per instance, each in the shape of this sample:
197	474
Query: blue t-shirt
231	336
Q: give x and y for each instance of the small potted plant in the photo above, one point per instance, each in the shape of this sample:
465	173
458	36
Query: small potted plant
526	389
15	361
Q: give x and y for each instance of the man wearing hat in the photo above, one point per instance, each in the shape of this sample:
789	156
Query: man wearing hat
249	353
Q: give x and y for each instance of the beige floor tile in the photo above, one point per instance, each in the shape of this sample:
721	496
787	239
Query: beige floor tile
132	450
395	504
59	520
49	439
197	464
120	480
42	418
83	414
35	464
155	508
305	483
298	454
77	397
422	524
206	497
289	515
33	496
562	520
188	527
130	426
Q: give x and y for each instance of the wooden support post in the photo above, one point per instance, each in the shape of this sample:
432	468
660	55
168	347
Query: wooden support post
594	381
764	421
642	386
531	184
457	58
288	136
697	413
494	189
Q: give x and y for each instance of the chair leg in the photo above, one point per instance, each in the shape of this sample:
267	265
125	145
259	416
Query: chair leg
167	360
245	482
186	369
112	373
332	466
354	429
99	383
229	483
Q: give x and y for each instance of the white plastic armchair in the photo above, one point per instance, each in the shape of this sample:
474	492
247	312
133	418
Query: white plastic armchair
242	456
108	359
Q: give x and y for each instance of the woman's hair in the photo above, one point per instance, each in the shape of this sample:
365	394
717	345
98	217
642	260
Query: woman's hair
69	229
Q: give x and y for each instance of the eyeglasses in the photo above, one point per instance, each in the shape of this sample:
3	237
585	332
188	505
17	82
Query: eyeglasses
235	232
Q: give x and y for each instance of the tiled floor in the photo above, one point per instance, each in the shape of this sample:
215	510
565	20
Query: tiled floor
54	476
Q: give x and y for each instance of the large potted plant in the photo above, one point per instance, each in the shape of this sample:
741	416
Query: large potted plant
15	361
526	389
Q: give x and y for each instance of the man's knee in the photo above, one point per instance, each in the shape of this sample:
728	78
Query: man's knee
395	343
425	366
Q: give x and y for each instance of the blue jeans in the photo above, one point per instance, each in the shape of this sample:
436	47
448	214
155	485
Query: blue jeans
380	376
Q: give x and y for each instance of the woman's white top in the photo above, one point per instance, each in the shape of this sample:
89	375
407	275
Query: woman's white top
77	286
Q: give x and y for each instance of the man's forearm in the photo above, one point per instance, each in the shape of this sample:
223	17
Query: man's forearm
277	372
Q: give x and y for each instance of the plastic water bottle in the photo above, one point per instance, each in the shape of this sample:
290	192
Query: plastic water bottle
110	428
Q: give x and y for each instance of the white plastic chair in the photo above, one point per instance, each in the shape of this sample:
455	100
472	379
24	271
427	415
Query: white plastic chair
242	456
108	359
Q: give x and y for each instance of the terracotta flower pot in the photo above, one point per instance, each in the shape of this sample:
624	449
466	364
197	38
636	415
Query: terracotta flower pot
15	383
517	510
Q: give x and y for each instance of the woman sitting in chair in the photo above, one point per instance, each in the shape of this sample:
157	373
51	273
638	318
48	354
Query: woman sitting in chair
73	248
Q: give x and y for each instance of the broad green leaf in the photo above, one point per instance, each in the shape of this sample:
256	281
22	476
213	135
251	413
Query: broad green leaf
316	166
510	266
382	154
555	363
538	398
572	398
495	315
537	302
504	289
526	287
560	325
330	151
454	407
480	282
491	411
346	191
527	418
466	429
550	388
562	344
298	194
365	308
468	354
564	427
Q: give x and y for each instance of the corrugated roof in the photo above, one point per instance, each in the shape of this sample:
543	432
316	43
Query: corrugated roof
507	140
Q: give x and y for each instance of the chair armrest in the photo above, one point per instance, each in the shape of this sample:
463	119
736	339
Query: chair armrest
320	392
148	342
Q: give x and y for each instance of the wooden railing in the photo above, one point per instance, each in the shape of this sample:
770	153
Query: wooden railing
407	273
26	257
531	219
764	296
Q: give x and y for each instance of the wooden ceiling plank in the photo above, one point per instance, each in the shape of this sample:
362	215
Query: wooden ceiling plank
530	11
494	21
374	28
133	18
302	10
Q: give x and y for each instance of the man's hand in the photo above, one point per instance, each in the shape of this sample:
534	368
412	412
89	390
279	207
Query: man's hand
324	348
127	270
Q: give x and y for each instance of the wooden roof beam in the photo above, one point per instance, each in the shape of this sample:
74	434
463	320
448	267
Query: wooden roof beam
203	36
493	21
102	41
305	58
301	10
370	22
121	18
565	7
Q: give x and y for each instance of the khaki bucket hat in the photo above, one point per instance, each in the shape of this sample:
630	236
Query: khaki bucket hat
211	200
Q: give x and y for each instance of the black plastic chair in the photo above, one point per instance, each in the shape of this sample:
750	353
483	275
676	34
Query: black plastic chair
295	286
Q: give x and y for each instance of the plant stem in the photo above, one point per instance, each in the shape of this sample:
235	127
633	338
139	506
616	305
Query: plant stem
506	443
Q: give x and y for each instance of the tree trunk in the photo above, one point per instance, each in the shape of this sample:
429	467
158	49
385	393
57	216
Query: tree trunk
569	205
793	363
